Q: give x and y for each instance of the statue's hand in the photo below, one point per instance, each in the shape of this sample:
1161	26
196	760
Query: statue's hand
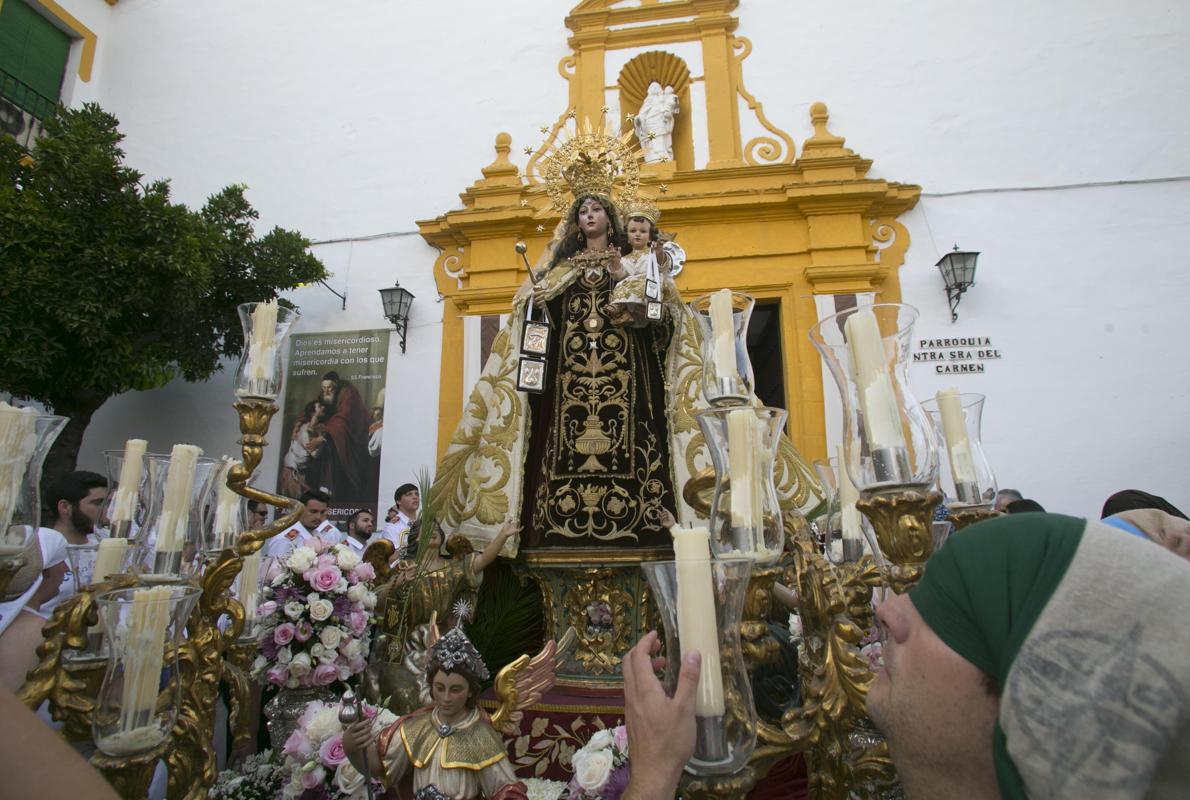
615	267
538	297
357	738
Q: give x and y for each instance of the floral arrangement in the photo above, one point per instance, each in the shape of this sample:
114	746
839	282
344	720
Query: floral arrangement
871	647
315	762
313	623
542	789
601	767
260	778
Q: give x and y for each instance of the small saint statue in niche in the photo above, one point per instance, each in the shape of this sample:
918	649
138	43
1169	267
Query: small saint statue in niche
654	123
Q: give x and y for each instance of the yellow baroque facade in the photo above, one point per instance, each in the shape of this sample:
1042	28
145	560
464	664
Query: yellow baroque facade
758	215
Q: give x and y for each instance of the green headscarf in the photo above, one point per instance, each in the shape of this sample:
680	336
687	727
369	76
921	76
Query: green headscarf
984	590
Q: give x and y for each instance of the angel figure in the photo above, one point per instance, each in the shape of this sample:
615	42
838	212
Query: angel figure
453	747
417	593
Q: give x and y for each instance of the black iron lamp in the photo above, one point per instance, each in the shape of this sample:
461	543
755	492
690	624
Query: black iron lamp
397	301
958	271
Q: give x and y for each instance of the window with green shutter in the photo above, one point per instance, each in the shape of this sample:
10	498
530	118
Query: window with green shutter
33	57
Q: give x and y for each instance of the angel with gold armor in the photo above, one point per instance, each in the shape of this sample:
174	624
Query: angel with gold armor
453	747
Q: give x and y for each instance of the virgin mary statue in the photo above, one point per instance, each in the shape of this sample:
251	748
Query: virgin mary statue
611	440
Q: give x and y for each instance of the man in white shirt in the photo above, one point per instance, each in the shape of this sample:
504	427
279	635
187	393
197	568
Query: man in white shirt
308	525
408	500
74	503
360	526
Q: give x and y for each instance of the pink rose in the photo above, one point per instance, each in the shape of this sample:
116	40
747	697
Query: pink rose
298	746
314	778
266	608
620	738
283	635
303	631
323	579
370	711
327	560
325	674
358	620
278	675
331	752
363	572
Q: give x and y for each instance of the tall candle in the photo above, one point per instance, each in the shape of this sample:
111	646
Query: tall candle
877	399
227	523
722	334
848	495
109	559
262	349
18	440
954	429
129	487
179	494
143	643
742	452
249	588
697	625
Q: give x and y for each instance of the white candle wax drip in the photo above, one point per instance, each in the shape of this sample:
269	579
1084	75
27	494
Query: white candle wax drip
848	495
179	493
128	488
954	429
877	400
722	334
227	523
249	588
743	449
142	642
697	623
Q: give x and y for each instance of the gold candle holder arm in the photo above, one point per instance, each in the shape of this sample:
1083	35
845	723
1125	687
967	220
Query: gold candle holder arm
242	693
130	776
255	415
902	519
962	517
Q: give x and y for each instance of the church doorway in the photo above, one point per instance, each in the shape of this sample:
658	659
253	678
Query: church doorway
764	348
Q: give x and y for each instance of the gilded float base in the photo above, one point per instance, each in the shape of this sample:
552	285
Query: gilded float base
717	787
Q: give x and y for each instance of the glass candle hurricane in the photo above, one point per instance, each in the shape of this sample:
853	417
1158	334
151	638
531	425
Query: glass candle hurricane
726	369
266	328
725	713
140	694
888	438
125	507
745	513
224	513
25	440
169	542
966	476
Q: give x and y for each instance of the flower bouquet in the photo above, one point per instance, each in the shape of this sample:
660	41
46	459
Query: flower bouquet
313	624
315	762
260	778
601	767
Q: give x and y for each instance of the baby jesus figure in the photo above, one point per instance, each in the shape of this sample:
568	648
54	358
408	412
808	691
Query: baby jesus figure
454	751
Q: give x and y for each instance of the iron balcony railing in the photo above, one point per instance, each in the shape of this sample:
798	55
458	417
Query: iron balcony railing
23	110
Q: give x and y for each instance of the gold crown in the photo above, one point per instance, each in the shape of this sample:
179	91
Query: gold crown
642	207
591	161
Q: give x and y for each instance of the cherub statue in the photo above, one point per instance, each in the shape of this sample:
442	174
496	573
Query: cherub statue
454	749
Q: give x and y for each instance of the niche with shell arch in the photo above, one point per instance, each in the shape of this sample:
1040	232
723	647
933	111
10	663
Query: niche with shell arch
668	70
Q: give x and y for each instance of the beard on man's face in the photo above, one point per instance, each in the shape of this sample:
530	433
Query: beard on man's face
80	521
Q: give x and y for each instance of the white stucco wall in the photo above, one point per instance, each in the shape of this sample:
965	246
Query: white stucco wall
357	118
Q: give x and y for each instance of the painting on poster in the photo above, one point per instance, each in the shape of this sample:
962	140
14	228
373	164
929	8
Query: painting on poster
333	418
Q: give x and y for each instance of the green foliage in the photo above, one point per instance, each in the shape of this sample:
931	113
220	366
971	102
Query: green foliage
106	285
508	617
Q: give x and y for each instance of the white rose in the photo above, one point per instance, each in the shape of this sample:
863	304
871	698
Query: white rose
260	663
348	779
317	650
330	637
293	609
341	586
279	578
324	724
346	558
284	655
369	600
356	593
300	665
591	769
310	598
352	650
600	741
321	610
301	559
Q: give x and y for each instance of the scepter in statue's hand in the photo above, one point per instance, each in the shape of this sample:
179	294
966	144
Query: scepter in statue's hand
357	734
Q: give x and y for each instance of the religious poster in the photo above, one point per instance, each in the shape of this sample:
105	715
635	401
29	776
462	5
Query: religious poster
333	418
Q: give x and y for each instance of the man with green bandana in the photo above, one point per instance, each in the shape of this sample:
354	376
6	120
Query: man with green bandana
1040	656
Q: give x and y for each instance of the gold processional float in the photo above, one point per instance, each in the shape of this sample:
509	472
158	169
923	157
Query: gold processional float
137	695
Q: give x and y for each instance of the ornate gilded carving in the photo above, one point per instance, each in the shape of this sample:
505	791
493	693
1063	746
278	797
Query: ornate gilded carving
130	777
962	517
600	612
719	787
902	517
758	644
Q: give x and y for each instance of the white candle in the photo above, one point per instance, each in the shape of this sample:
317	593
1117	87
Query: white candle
143	643
722	334
262	349
877	399
109	559
848	495
18	440
227	523
129	487
179	494
954	429
697	625
249	588
742	452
